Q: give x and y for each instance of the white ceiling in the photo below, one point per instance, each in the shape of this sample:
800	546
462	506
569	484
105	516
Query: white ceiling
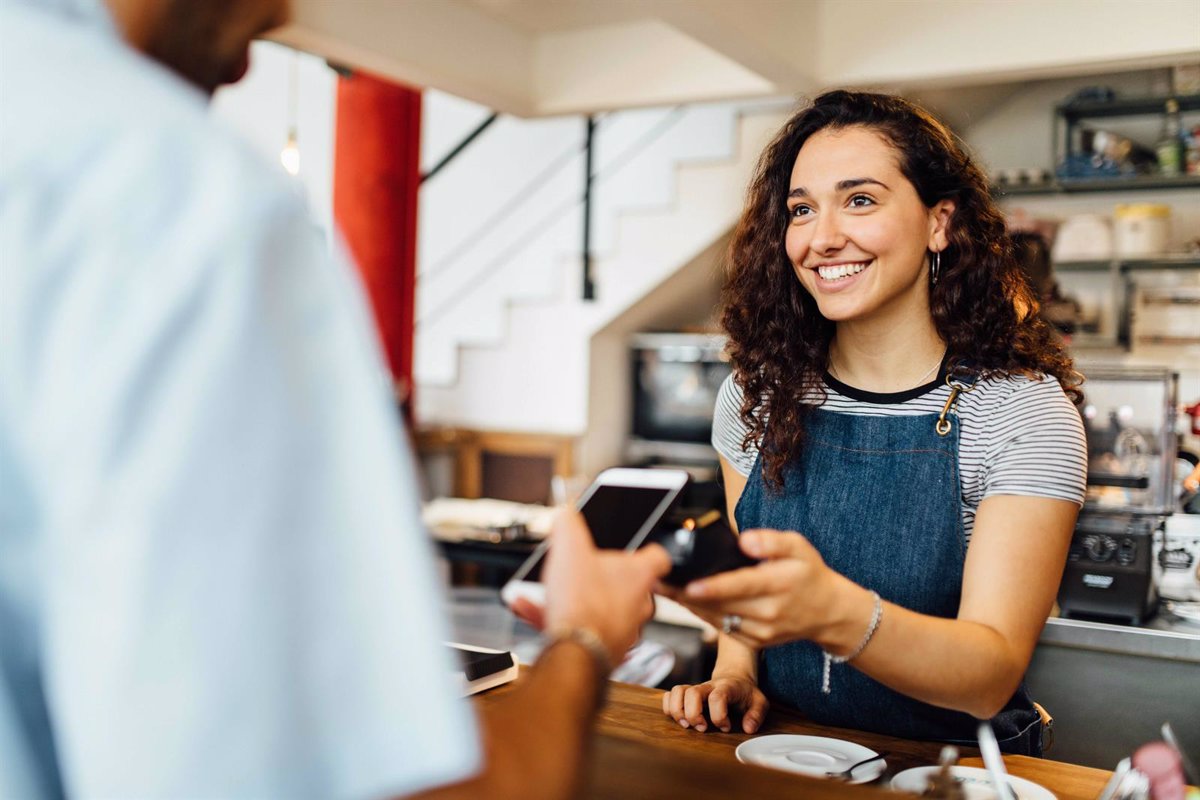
547	16
542	57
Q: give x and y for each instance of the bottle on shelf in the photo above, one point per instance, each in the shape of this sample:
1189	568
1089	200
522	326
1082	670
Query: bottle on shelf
1170	142
1192	152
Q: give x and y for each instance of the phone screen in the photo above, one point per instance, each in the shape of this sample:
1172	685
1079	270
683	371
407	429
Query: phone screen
614	514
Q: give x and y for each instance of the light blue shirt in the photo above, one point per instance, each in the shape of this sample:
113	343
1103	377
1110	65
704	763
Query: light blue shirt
213	578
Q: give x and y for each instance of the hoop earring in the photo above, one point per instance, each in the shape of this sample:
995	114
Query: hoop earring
935	268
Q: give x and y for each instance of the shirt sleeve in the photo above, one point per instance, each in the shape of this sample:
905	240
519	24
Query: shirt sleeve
729	430
1036	444
241	600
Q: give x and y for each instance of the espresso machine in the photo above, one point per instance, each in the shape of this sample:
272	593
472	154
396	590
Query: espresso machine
1112	572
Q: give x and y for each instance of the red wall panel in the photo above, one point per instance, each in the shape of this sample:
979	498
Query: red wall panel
376	177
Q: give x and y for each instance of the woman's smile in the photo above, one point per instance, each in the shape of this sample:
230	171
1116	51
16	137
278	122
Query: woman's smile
836	276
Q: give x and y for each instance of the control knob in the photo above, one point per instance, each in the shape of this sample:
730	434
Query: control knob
1099	547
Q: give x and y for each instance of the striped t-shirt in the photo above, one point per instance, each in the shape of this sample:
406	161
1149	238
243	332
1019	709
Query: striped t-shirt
1019	436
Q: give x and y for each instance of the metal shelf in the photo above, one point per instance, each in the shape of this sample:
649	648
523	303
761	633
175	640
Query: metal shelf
1127	107
1162	263
1137	183
1083	266
1130	264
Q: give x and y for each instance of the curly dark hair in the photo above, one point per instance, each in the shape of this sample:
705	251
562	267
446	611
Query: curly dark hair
982	305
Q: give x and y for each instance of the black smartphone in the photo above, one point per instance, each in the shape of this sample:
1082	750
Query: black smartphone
621	508
701	546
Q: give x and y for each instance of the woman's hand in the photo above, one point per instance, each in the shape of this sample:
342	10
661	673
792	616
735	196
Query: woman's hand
685	704
791	595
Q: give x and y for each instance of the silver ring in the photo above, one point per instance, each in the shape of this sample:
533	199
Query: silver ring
732	623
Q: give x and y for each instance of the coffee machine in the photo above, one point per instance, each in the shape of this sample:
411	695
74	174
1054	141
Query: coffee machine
1112	573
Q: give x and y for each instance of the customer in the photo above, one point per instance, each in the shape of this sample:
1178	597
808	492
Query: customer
899	410
213	578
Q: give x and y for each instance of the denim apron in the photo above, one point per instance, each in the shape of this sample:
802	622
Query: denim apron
879	499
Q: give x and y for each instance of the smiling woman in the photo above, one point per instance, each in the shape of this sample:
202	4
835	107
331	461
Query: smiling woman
916	528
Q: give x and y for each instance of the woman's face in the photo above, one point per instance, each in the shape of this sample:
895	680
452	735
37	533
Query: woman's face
858	233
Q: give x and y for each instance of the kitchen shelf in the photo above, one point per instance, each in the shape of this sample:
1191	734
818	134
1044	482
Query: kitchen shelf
1137	183
1161	263
1084	266
1130	264
1174	341
1126	107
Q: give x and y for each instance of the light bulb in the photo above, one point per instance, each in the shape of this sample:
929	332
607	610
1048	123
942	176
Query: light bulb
289	156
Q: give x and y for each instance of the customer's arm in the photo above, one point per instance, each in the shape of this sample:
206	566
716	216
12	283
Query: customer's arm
535	737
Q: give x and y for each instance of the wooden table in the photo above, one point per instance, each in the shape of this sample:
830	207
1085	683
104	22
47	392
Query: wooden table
639	752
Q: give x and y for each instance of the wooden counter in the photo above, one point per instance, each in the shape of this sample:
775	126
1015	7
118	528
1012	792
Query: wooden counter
639	752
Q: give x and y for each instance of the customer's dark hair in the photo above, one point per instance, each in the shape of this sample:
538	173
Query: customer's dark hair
982	304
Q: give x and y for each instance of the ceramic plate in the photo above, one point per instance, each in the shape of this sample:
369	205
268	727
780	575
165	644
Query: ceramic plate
975	780
810	755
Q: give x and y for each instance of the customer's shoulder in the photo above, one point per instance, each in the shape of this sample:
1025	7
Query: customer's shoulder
88	115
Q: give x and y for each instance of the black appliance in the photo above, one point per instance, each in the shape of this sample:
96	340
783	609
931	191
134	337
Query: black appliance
676	377
1111	572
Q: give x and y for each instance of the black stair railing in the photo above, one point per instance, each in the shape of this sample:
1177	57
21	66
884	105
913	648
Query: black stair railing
541	226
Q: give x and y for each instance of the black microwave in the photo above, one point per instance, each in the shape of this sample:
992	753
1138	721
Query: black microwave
676	378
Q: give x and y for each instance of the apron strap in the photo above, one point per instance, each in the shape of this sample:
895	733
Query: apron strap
961	379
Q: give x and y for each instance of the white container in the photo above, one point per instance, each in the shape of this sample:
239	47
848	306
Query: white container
1084	237
1141	229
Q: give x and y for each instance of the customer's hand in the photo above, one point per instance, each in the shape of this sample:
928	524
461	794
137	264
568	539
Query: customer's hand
605	590
685	704
791	595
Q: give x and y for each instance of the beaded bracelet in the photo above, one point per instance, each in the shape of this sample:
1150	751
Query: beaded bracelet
830	660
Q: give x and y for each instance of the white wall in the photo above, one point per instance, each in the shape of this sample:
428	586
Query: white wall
257	108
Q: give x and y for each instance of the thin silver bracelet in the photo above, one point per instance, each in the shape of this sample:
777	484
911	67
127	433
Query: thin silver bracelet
830	660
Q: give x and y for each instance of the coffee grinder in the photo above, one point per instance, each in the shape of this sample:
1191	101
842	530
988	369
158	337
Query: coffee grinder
1111	572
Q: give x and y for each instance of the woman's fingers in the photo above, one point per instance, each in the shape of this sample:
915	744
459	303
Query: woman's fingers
686	705
718	707
736	584
675	704
693	706
756	712
753	628
769	577
774	544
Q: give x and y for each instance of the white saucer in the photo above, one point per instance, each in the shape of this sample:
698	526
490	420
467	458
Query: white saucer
975	780
1189	611
810	755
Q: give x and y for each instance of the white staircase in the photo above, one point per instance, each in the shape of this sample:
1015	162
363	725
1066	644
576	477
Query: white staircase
503	333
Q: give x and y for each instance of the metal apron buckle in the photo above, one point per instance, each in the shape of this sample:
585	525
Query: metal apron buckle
957	387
